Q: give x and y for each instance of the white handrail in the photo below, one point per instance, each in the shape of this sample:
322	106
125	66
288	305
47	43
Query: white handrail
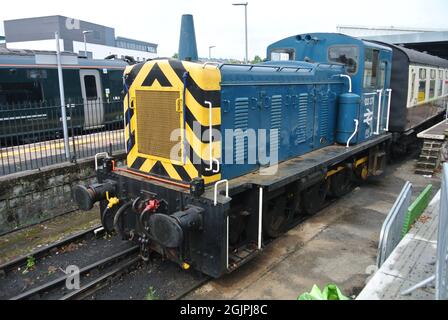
217	64
389	92
216	190
103	154
349	81
378	120
260	220
210	140
354	133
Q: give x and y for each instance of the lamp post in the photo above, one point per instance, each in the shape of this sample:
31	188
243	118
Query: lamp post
245	22
210	52
84	33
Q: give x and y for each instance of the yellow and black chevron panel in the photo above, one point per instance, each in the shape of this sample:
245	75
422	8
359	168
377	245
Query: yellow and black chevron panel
165	95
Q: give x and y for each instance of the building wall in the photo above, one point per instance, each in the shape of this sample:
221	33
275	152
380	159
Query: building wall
38	34
36	45
100	52
33	196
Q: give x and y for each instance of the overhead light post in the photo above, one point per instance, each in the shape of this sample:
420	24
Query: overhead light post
245	22
84	33
210	52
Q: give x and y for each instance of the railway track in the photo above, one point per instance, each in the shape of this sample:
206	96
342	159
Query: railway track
46	251
112	266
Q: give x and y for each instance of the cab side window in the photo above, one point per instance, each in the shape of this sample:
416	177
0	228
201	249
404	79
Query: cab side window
283	55
371	61
347	55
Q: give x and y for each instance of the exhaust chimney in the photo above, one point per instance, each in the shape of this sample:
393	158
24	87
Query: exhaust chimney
187	43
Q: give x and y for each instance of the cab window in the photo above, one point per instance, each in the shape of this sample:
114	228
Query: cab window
371	61
283	55
347	55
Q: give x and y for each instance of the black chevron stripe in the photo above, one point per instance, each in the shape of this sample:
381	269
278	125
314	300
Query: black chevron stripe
131	141
159	170
183	173
156	74
130	77
129	114
200	167
191	119
214	96
138	163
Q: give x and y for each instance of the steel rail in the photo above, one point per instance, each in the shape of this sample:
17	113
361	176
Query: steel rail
45	288
100	282
41	253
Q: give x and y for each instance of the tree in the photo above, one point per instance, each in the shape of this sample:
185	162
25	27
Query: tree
257	59
176	56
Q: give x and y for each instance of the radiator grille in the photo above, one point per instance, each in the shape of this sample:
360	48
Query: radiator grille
156	119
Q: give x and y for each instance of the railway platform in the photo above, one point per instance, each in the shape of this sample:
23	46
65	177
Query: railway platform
412	261
434	149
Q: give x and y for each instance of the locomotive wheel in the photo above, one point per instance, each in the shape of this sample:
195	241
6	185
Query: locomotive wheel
275	218
340	183
314	197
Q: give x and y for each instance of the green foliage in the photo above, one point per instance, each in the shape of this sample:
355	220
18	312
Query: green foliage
330	292
257	59
30	264
175	56
151	295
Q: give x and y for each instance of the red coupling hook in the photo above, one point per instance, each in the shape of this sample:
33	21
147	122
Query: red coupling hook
152	205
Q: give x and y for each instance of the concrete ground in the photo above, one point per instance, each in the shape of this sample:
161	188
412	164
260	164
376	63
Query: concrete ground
338	245
412	261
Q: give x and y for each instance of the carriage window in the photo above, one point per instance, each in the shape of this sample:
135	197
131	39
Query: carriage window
347	55
412	87
422	74
283	55
432	89
433	74
90	85
20	92
371	68
422	85
440	74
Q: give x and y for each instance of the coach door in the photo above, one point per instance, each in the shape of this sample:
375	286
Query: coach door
376	93
91	94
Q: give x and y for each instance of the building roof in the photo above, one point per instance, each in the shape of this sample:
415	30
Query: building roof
27	52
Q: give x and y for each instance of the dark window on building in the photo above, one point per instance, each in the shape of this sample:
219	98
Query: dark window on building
347	55
90	85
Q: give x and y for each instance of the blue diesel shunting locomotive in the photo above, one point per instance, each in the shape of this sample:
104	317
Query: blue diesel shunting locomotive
326	117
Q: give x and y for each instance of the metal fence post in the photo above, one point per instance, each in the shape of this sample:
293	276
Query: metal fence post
62	95
442	240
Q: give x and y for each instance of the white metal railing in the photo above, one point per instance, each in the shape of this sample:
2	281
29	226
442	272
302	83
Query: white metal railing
441	275
390	235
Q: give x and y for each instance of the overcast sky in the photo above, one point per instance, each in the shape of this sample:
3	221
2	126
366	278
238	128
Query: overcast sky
221	24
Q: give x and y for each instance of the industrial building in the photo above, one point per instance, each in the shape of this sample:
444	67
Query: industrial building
75	36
